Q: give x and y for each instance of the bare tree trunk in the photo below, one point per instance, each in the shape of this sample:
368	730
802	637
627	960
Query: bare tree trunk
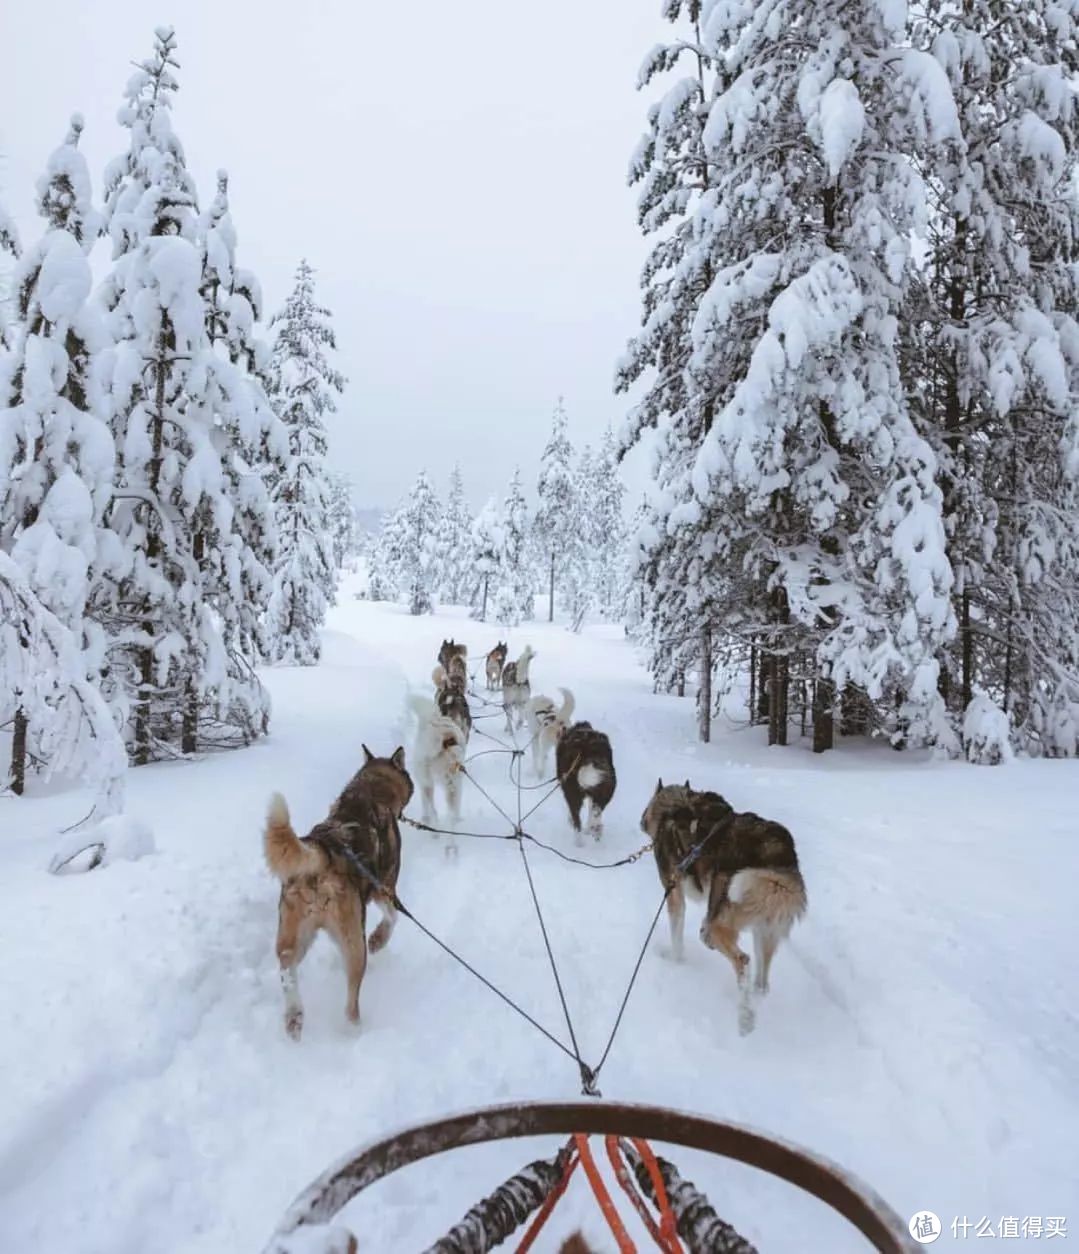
550	594
823	715
189	728
17	778
752	684
704	693
763	678
681	683
486	584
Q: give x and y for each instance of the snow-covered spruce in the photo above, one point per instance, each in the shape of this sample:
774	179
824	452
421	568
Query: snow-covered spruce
412	548
344	530
992	332
56	454
555	517
486	550
43	674
304	383
454	573
515	599
795	504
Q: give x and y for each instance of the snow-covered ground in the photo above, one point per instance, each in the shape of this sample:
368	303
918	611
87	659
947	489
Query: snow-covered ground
922	1028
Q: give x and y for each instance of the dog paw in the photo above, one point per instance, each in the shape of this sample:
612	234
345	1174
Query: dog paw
353	1016
378	938
294	1024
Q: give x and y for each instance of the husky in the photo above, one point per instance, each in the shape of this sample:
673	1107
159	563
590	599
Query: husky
450	695
585	769
546	725
450	649
745	865
329	876
516	688
496	659
438	757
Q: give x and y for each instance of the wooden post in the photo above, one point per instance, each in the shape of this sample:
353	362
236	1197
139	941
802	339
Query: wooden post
704	694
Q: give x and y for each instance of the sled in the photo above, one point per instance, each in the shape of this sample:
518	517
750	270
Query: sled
306	1227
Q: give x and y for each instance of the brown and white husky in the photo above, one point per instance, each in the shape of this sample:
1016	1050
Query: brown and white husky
329	876
516	688
745	865
496	659
585	767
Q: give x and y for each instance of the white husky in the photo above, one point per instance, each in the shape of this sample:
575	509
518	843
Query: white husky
437	758
545	725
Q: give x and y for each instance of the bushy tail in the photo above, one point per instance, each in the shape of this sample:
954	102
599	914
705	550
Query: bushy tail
776	896
438	677
286	855
423	708
568	706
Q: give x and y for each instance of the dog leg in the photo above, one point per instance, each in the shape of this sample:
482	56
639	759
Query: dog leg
595	819
294	937
766	942
718	934
427	801
293	1006
380	937
356	966
676	917
453	800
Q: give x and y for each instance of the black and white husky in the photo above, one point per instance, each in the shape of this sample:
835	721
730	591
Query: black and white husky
545	725
437	759
585	767
516	688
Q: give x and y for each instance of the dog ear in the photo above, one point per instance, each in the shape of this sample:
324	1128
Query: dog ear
659	784
687	786
398	757
368	756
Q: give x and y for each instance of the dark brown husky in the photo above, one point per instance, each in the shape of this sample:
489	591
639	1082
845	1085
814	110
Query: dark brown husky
496	659
450	694
449	650
747	866
326	877
585	768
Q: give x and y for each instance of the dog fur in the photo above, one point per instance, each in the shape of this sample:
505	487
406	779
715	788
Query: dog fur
496	659
450	695
322	884
437	758
450	649
585	767
748	868
545	725
516	688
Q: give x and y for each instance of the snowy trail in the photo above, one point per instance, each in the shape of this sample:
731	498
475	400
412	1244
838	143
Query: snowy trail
919	1031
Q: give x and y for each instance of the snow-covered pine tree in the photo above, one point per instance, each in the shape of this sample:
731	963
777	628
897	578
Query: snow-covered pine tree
515	601
796	501
343	529
236	559
583	543
416	540
383	567
609	530
995	337
305	577
56	455
9	248
556	509
455	574
487	544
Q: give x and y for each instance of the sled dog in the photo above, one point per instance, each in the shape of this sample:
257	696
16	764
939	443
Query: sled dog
516	688
450	649
438	756
450	695
585	769
745	865
496	659
545	725
326	876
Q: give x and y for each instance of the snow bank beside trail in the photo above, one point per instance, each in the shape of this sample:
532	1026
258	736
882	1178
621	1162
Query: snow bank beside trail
921	1029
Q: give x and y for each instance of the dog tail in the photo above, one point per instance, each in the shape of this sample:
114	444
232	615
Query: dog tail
774	896
422	707
591	776
438	677
568	706
286	855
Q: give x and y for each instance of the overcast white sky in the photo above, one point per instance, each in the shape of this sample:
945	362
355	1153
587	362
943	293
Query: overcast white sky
456	172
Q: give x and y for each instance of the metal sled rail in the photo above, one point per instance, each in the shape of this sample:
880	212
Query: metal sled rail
832	1184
